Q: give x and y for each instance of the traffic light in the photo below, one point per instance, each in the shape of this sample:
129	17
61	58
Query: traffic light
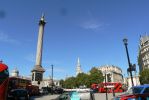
108	77
133	67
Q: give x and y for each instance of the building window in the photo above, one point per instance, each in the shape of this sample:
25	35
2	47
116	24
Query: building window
33	77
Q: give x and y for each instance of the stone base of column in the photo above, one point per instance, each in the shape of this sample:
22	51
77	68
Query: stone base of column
37	74
38	68
37	84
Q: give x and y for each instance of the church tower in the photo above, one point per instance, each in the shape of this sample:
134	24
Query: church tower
78	68
37	72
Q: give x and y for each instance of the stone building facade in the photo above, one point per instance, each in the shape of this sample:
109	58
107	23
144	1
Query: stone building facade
15	73
143	56
136	81
46	82
113	73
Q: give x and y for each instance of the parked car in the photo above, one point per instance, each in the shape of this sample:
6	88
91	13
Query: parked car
18	94
140	92
64	96
43	91
58	90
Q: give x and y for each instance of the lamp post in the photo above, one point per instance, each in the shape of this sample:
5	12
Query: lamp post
130	65
106	85
52	80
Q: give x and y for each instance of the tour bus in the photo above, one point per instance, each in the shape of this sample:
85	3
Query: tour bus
22	83
108	87
4	80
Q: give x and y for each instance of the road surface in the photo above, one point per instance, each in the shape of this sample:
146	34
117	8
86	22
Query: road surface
97	96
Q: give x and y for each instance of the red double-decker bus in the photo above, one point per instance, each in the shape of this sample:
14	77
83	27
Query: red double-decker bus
18	82
22	83
4	80
109	87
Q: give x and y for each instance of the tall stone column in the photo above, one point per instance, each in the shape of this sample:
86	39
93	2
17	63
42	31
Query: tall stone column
40	41
37	72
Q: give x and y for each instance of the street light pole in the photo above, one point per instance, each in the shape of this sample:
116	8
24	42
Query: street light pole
130	66
106	85
52	79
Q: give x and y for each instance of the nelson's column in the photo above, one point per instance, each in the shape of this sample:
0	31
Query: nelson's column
37	72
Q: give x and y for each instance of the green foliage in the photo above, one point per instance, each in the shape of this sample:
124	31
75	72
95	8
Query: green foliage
70	82
95	76
144	76
83	79
62	83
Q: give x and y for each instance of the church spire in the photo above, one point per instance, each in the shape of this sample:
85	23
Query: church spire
78	63
78	68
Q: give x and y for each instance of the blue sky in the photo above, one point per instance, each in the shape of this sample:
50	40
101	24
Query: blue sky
90	29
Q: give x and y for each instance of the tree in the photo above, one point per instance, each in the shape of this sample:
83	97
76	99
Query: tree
62	83
82	79
70	82
144	76
95	76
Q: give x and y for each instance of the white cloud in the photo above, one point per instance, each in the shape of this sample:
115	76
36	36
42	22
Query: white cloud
6	38
91	24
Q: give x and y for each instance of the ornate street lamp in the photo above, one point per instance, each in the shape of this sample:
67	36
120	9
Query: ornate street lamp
130	65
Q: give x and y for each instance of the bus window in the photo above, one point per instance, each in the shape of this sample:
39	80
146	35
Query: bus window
3	76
